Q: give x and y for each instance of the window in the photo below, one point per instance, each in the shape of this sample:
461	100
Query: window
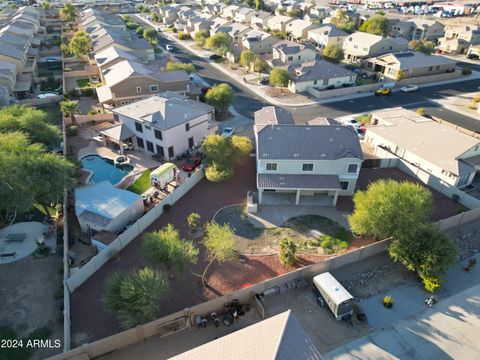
307	167
325	82
290	58
299	57
171	153
160	151
140	143
158	135
315	82
463	180
430	68
437	67
271	166
115	117
187	127
149	146
344	185
153	88
148	127
139	89
191	143
138	127
352	168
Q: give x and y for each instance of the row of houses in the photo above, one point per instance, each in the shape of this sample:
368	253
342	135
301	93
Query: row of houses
20	38
127	65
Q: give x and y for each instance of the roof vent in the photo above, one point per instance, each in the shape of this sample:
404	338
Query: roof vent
331	139
323	155
308	128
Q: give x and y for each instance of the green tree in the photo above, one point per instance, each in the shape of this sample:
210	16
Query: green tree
70	108
220	43
375	25
80	43
134	296
30	121
150	34
279	77
247	58
258	5
221	97
220	244
68	12
295	13
401	74
154	16
193	221
260	65
343	21
139	31
251	3
223	154
288	249
131	25
424	46
333	53
126	18
201	37
46	5
166	247
390	208
184	36
172	66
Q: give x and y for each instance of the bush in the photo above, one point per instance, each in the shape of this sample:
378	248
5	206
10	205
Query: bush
476	99
184	36
87	92
421	111
388	302
430	283
364	119
288	250
466	71
72	130
472	107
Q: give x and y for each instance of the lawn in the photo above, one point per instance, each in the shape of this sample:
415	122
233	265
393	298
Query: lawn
142	184
84	83
312	233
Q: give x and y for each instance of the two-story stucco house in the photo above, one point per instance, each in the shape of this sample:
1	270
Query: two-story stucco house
259	20
279	22
234	30
304	164
360	45
166	124
244	15
299	28
457	39
291	53
438	155
418	29
259	42
326	35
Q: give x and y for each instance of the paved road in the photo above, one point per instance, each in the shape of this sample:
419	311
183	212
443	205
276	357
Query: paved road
247	102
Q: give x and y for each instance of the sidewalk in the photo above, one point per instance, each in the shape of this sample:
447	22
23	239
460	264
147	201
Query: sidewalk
459	104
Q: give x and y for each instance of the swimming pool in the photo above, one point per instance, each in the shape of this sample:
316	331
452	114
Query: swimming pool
104	169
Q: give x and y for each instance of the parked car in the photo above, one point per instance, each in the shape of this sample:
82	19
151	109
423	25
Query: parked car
169	48
409	88
361	133
46	95
192	163
473	56
214	57
383	92
228	131
351	122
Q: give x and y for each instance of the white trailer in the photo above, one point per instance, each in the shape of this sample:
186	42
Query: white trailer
334	294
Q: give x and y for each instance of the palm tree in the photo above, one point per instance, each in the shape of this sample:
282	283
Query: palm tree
70	108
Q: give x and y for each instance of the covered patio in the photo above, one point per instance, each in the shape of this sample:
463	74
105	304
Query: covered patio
119	135
285	189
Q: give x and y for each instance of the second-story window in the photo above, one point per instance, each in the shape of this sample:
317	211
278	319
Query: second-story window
187	127
158	135
307	167
271	166
352	168
138	127
139	89
153	88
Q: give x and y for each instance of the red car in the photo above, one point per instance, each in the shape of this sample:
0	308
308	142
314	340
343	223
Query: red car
191	164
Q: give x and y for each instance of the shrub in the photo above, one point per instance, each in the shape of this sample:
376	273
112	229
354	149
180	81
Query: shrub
87	92
184	36
388	302
364	119
466	71
421	111
476	99
472	107
430	283
288	250
72	130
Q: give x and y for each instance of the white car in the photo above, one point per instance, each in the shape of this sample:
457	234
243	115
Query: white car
351	122
46	95
169	48
409	88
228	131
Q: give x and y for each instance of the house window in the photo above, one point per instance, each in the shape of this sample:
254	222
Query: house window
352	168
139	89
138	127
171	153
149	146
158	135
140	143
148	127
290	58
299	57
187	127
307	167
191	143
463	180
437	67
315	82
344	185
271	166
430	68
153	88
325	82
115	117
160	151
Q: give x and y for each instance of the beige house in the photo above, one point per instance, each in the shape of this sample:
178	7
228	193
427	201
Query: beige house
259	20
304	164
360	46
299	28
457	39
326	35
8	75
418	29
259	42
244	15
291	53
199	22
168	14
229	12
410	64
104	38
235	31
128	80
279	22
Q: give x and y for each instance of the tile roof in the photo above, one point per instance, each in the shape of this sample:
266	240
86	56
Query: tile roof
298	181
290	47
415	59
317	70
329	30
11	51
272	115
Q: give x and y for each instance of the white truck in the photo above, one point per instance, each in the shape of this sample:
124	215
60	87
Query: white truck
333	294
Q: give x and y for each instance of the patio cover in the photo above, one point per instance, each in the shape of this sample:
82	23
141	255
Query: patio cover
104	94
313	182
118	133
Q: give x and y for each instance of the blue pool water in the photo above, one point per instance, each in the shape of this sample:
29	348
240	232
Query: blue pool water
104	169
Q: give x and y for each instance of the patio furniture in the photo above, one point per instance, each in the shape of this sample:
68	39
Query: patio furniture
16	238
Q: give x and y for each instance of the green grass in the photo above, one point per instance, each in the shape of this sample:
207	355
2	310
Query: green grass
83	83
142	184
360	81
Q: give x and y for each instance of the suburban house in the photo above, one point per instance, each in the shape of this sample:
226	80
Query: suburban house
8	75
360	46
318	12
299	28
114	55
409	64
418	29
260	20
458	38
198	22
128	80
291	53
235	31
166	124
304	164
103	207
230	11
279	22
326	35
216	23
168	14
319	75
107	37
244	15
438	155
259	42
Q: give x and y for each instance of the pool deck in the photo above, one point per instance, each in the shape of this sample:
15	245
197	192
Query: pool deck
139	160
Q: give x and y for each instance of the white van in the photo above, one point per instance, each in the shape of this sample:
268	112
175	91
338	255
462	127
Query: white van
334	294
169	48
